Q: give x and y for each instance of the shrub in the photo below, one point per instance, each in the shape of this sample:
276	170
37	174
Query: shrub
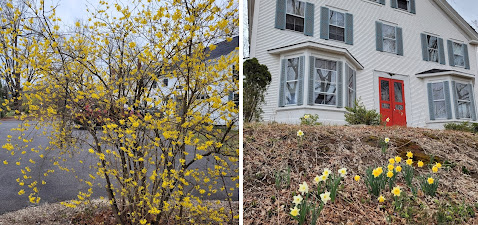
463	126
256	79
360	115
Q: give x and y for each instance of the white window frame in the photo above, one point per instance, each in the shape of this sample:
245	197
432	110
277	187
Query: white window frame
462	50
316	81
458	100
387	38
332	13
439	100
433	49
286	90
295	15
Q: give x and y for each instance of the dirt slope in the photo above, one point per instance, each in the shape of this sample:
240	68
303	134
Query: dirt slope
269	148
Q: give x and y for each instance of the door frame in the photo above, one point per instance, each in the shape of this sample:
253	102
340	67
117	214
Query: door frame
406	90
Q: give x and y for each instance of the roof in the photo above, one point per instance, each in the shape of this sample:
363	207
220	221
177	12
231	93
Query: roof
434	71
441	72
224	48
458	19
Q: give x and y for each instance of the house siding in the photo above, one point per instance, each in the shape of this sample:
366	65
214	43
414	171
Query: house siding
429	18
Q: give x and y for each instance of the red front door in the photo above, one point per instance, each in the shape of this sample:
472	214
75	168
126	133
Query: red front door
392	101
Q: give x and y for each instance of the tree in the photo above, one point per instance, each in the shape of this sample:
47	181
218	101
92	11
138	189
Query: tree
257	78
147	140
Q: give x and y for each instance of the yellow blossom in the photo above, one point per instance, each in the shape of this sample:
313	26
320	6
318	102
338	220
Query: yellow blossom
430	180
409	154
386	140
398	169
409	161
294	211
396	191
435	169
300	133
381	199
389	174
377	171
391	161
357	178
398	159
438	165
306	116
390	167
420	163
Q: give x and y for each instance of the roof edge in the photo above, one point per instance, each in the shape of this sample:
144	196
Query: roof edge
458	19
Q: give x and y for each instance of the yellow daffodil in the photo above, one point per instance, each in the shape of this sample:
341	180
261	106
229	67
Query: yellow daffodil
389	173
398	169
304	188
438	165
297	199
390	167
343	172
326	172
398	159
377	171
386	140
381	199
430	180
294	211
435	169
391	161
409	154
357	178
420	163
300	133
306	116
317	179
396	191
388	119
323	178
325	197
409	161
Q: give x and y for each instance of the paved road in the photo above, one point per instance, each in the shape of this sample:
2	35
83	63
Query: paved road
60	185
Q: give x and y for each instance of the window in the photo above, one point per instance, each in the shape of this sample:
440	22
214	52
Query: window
463	100
438	96
351	87
154	85
389	38
458	54
404	4
295	11
337	26
292	80
432	48
165	82
325	82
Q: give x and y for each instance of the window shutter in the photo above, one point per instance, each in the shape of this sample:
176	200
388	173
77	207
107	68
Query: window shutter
451	58
309	19
446	84
412	6
340	84
300	98
472	100
349	29
441	51
431	104
378	36
399	41
455	99
355	87
282	83
347	78
280	14
310	98
424	47
324	23
467	59
230	96
382	2
394	3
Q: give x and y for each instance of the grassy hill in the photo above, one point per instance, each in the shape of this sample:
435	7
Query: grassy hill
272	150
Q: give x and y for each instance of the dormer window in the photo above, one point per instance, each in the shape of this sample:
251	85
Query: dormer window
295	11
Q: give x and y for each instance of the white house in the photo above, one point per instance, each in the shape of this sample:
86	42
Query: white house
414	61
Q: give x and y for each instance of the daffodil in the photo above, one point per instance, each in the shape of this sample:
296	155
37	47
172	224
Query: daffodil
398	159
325	197
391	161
381	199
390	167
294	211
306	116
304	188
409	161
420	163
326	172
377	171
389	174
300	133
396	191
297	199
388	119
409	154
343	172
357	178
430	180
317	179
435	169
438	165
386	140
323	178
398	169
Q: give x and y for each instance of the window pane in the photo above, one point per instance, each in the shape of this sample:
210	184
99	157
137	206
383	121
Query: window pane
389	46
433	55
432	42
291	92
332	65
398	92
457	49
320	64
295	7
340	19
388	31
385	106
289	22
336	33
459	60
293	69
464	109
438	91
324	99
384	90
463	93
324	87
403	4
440	109
325	76
299	24
399	107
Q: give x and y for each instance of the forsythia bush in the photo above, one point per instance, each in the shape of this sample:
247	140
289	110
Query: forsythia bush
106	74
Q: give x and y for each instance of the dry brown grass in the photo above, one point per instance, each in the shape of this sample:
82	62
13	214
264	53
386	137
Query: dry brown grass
274	147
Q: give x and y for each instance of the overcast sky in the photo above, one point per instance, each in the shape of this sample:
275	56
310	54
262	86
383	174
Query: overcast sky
468	9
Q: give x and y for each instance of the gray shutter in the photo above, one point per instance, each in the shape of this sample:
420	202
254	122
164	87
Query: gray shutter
451	58
472	100
424	47
412	6
309	19
467	59
230	96
355	87
394	3
280	14
431	104
399	41
282	83
455	98
310	99
347	78
324	23
382	2
340	84
441	52
447	99
300	98
349	29
379	36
